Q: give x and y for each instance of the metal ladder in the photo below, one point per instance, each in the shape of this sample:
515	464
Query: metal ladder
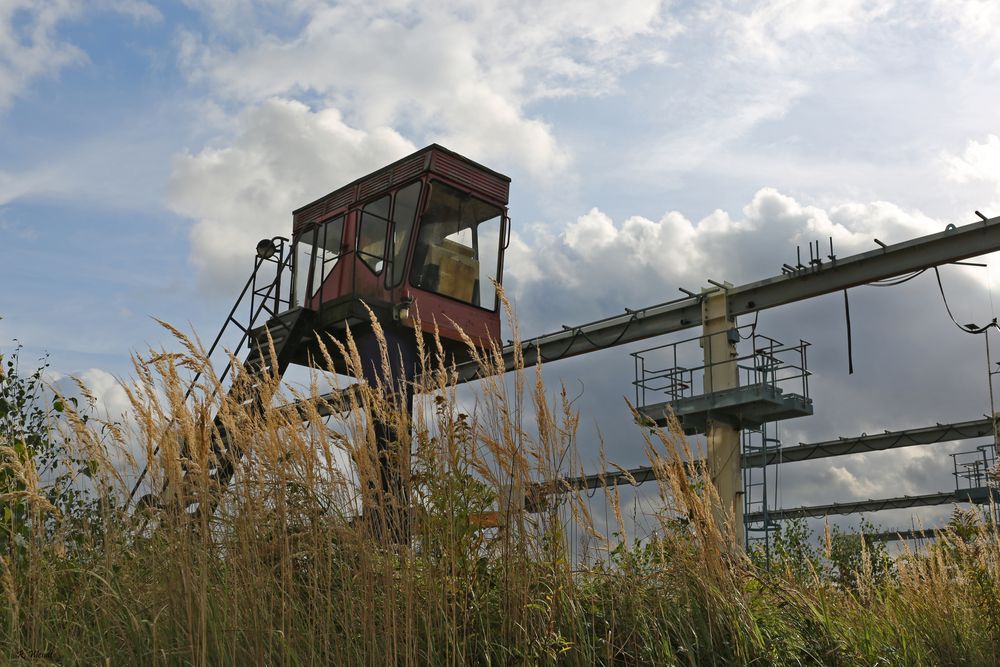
758	442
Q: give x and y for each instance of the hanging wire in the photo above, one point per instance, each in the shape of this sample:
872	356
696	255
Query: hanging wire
989	381
777	468
970	328
989	289
753	327
850	339
892	282
612	343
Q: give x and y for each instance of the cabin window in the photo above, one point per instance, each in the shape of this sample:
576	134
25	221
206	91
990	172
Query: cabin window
329	239
458	247
372	233
302	255
403	213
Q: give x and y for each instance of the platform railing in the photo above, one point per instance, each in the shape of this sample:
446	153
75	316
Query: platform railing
975	469
659	370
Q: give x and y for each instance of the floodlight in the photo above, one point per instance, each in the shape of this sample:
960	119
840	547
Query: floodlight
266	248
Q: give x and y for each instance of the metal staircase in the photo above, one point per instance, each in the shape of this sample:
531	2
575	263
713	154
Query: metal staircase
283	333
265	318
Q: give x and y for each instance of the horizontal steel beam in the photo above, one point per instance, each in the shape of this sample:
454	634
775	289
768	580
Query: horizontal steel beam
820	277
634	476
977	496
910	534
927	435
328	404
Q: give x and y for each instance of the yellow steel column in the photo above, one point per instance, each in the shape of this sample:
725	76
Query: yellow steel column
721	373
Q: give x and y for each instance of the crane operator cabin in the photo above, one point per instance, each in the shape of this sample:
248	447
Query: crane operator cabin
418	241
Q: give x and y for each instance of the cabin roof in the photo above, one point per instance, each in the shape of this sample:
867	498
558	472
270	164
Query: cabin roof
436	159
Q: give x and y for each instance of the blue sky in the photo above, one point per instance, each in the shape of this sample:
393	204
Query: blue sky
145	147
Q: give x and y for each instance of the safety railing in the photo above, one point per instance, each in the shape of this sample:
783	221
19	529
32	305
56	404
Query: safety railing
975	469
267	292
673	370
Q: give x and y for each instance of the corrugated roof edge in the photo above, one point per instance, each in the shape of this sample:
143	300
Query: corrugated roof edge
390	167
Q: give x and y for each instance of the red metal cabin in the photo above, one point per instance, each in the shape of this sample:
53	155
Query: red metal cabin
424	235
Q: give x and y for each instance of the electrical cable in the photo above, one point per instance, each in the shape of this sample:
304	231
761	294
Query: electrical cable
970	329
753	327
579	332
558	356
850	342
612	343
892	282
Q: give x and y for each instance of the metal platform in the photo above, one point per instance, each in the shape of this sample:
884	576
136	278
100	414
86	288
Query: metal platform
747	407
773	383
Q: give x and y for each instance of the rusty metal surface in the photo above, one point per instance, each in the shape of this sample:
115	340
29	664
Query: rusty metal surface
433	159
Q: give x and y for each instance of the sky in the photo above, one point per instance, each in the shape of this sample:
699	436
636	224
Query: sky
146	146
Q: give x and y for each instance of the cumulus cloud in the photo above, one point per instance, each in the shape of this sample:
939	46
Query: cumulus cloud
598	256
461	75
458	73
978	163
30	45
283	156
110	400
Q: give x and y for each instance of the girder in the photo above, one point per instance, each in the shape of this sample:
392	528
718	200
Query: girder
926	435
819	278
977	496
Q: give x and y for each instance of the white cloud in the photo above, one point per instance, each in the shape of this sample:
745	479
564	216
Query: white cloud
30	46
796	33
972	24
601	258
452	72
110	400
457	74
980	161
284	155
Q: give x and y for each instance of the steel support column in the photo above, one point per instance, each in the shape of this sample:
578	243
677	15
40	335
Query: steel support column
722	373
385	490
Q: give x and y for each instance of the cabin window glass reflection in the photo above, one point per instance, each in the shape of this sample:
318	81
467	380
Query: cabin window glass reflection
488	234
328	246
458	247
403	213
372	234
303	255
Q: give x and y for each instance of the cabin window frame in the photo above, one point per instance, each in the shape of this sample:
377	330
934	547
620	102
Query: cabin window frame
392	282
318	268
359	228
502	234
302	291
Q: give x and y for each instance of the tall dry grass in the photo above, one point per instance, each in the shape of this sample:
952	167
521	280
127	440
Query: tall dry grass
278	569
